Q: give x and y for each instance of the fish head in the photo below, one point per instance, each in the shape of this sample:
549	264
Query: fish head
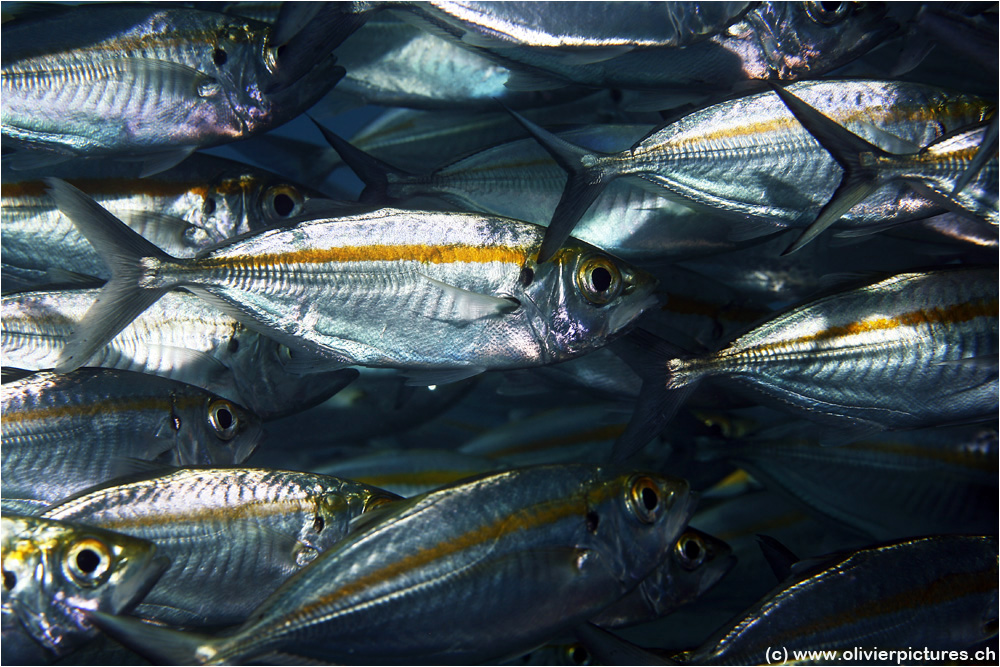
226	434
803	39
635	520
582	298
52	571
697	562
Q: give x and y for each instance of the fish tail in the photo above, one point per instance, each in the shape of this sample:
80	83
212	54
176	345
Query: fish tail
859	180
664	389
586	181
160	645
374	172
123	298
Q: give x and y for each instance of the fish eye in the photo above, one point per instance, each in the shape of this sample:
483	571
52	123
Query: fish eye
282	201
690	550
222	418
644	499
219	57
88	562
827	13
599	279
527	276
577	655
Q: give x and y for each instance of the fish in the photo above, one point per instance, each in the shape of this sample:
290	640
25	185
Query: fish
751	160
410	472
924	481
342	282
703	46
54	570
870	598
63	433
200	202
180	337
552	546
696	563
222	528
916	349
144	83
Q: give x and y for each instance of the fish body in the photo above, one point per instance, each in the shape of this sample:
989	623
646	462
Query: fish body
201	202
924	481
222	528
145	83
936	592
180	337
452	293
750	159
449	577
697	45
917	349
63	433
410	472
53	570
486	180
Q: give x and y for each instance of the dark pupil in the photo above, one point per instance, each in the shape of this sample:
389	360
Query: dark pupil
209	206
219	57
831	7
600	278
283	204
87	560
527	276
9	580
592	521
692	550
234	345
649	498
579	655
319	524
224	418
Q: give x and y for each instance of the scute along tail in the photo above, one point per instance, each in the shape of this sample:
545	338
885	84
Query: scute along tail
122	299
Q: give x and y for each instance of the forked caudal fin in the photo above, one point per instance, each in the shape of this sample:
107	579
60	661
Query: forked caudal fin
849	150
585	184
122	299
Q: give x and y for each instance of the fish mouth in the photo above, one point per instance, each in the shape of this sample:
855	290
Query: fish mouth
626	314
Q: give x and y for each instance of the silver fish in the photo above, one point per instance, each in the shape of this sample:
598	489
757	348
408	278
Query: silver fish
923	482
144	83
336	287
53	570
917	349
701	45
222	529
484	569
201	202
871	598
751	160
64	433
179	337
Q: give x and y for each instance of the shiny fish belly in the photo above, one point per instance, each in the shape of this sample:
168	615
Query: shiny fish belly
232	535
917	349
